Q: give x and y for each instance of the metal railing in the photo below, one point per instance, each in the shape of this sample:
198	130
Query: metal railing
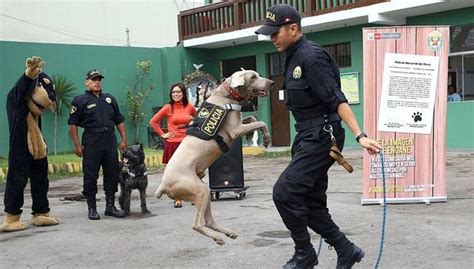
240	14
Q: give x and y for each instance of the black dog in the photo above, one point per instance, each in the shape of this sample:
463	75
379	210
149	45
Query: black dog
133	175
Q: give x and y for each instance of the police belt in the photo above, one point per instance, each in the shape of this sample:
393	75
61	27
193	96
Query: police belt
315	122
99	129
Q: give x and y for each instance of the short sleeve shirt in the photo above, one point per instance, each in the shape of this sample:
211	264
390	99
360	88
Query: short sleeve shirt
90	111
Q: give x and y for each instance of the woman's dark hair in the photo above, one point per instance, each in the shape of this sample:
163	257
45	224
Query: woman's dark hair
183	90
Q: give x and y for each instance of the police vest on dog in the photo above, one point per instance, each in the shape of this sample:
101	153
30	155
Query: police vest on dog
208	121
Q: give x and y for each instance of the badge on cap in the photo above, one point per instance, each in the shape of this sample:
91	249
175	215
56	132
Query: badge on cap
297	72
108	100
73	109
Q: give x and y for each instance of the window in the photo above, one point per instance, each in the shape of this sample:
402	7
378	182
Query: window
341	53
462	38
461	61
277	63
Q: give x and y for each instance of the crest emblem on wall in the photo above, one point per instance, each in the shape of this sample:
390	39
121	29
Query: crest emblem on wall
197	83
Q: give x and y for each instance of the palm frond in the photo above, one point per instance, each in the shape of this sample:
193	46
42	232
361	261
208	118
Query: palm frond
64	90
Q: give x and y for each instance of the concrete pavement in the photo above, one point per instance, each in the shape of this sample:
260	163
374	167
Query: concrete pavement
439	235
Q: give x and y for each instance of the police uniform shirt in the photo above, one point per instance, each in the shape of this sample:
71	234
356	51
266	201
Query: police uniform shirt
312	81
90	111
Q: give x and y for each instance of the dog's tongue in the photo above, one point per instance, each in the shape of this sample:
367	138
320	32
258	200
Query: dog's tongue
262	92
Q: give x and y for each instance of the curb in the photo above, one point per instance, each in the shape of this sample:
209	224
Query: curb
153	160
252	151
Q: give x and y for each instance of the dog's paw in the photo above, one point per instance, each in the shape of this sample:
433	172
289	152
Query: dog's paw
219	241
232	235
146	211
266	141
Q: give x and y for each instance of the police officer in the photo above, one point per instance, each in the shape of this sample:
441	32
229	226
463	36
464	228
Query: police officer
318	105
98	112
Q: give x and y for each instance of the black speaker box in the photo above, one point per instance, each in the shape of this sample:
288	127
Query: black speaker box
227	172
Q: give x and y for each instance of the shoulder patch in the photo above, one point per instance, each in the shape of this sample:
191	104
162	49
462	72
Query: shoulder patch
73	109
108	100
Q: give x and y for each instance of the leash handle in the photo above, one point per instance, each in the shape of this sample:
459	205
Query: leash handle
334	152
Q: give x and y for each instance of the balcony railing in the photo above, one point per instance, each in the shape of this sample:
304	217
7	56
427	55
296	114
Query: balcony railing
240	14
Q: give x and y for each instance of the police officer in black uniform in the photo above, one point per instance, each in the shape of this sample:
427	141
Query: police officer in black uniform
98	113
318	105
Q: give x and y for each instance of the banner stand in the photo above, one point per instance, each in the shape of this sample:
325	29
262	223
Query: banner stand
405	106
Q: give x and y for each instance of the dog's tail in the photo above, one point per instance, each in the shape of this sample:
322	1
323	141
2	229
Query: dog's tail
159	192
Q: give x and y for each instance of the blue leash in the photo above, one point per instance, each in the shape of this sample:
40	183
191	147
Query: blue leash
382	238
384	212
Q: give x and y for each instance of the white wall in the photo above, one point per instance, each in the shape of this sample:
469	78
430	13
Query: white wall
152	23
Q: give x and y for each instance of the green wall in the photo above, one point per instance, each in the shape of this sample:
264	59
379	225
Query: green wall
118	65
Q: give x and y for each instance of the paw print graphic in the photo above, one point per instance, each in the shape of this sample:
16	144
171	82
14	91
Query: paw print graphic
417	116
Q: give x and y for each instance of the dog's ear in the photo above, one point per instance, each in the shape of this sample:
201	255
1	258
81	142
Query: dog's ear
236	80
141	146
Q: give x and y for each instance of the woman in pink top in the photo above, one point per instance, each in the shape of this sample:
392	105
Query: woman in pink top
178	113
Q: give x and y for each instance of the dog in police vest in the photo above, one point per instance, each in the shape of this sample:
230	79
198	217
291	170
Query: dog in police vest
216	126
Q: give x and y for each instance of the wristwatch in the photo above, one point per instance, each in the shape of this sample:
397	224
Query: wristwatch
362	134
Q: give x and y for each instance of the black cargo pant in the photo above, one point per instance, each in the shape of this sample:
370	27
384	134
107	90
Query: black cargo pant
100	149
17	177
300	192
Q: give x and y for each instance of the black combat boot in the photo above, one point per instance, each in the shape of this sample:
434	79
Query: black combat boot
302	259
91	205
110	209
347	252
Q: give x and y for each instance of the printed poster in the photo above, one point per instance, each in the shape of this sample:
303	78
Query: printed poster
408	93
350	86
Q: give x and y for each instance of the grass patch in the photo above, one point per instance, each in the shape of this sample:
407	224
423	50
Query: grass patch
275	154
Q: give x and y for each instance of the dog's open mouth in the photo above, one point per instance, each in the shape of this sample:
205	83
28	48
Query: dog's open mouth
125	161
261	92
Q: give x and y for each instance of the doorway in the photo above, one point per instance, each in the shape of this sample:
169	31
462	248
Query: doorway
279	116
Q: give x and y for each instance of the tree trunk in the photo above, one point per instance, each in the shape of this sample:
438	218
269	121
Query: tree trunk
136	131
55	140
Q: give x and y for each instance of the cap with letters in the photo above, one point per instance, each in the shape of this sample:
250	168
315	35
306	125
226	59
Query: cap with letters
277	16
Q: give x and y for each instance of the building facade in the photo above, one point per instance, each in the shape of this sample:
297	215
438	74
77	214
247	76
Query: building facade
223	45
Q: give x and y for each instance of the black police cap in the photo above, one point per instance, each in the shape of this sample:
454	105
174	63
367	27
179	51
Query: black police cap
93	74
277	16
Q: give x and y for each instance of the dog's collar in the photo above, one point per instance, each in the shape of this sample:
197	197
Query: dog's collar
138	170
234	107
233	93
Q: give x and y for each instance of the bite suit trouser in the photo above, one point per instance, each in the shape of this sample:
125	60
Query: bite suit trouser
300	192
17	177
100	149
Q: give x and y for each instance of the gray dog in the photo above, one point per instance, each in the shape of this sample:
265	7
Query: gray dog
222	120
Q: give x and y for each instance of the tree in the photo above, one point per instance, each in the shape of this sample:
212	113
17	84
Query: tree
136	96
64	93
